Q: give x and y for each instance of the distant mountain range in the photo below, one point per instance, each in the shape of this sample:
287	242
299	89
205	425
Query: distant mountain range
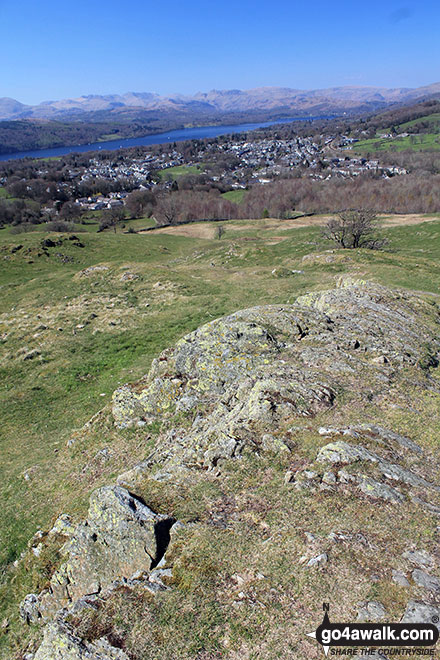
279	100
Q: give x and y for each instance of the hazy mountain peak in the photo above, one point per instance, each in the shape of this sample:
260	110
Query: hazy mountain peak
267	99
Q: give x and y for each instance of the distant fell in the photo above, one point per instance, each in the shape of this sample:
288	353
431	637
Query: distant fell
333	99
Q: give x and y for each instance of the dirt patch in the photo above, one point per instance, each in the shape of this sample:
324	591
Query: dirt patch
207	230
275	223
406	220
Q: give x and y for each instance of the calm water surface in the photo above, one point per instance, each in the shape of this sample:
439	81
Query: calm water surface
159	138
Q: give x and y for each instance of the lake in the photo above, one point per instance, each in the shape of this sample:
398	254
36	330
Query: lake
181	135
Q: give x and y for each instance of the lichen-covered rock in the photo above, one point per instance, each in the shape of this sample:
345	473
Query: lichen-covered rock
121	537
384	480
29	609
61	643
243	376
342	452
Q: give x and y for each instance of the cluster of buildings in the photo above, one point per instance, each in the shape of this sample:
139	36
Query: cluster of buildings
228	163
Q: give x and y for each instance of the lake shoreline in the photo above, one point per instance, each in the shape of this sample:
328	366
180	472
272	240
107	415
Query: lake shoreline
177	135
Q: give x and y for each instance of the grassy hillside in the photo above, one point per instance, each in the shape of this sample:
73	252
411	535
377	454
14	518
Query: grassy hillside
81	317
424	133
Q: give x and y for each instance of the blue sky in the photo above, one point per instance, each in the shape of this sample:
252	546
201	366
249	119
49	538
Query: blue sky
51	50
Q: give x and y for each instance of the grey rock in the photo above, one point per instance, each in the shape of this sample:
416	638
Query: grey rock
254	370
129	277
63	525
429	582
400	578
61	643
341	452
29	609
420	558
373	610
380	491
345	477
420	612
319	561
120	537
329	477
32	354
386	436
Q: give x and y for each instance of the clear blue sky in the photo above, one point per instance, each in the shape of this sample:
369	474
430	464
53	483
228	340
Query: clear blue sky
59	49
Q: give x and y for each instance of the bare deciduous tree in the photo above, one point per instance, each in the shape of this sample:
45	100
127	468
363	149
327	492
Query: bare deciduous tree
111	218
356	228
167	210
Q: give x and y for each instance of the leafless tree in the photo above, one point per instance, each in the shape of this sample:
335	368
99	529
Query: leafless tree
355	228
167	210
139	202
111	218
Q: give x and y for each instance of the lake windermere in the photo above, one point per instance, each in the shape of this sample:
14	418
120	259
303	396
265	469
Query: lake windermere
180	135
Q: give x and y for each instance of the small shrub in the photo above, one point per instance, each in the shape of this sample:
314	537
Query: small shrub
219	231
60	226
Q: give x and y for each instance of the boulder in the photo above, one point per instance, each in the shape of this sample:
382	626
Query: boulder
120	538
61	643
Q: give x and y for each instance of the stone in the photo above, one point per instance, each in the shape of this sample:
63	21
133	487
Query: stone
400	578
429	582
129	277
420	558
371	611
93	270
249	373
126	408
420	612
31	355
329	478
380	491
318	562
61	643
29	609
120	537
341	452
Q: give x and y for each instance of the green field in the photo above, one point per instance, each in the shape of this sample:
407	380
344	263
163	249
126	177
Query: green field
69	338
4	193
411	142
179	170
235	196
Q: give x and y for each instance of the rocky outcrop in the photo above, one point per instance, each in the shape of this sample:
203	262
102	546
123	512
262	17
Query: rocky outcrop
380	474
240	377
253	382
121	540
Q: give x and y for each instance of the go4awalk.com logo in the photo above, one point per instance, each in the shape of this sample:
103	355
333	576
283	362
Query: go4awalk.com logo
360	638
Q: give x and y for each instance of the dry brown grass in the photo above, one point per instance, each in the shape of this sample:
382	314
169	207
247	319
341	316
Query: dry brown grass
207	230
